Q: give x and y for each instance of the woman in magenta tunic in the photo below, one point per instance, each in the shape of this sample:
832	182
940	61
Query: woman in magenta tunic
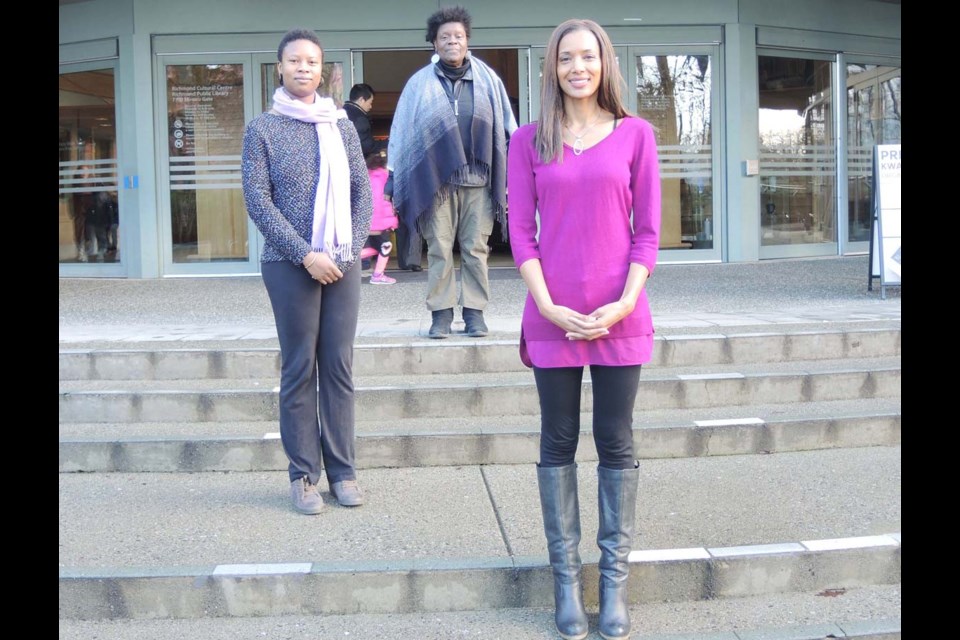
584	203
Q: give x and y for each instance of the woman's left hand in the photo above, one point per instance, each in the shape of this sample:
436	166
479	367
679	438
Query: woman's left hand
600	321
322	268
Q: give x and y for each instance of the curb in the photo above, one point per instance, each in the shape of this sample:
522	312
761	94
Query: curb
469	584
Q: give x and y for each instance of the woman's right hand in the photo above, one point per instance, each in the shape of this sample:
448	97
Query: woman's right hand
576	325
322	268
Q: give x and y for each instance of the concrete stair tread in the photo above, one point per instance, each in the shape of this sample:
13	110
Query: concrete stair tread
473	380
452	513
428	442
403	332
643	419
160	362
510	338
494	395
866	613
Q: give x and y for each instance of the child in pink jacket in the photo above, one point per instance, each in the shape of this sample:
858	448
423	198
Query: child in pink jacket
384	220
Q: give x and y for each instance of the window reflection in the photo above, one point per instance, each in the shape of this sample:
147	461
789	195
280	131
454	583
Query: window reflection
673	94
797	165
873	117
89	214
332	85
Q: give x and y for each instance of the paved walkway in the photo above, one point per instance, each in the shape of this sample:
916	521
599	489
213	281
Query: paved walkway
684	298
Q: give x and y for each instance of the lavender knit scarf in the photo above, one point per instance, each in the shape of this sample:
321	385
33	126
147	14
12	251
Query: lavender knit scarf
332	223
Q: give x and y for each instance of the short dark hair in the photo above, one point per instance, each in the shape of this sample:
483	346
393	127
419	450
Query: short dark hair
445	15
361	91
297	34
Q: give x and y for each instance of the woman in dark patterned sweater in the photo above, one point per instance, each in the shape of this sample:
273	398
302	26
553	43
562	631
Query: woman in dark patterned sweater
306	188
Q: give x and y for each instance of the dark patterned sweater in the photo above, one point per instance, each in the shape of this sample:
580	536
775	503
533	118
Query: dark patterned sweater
281	166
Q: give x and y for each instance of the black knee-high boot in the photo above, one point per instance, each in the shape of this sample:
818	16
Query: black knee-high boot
617	493
561	524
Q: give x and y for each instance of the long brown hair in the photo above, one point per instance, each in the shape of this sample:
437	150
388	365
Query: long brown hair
609	94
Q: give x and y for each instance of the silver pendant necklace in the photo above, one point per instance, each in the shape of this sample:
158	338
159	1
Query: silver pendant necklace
578	139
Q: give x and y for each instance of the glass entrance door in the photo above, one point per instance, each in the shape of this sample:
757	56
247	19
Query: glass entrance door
798	188
206	227
676	92
207	101
89	204
873	117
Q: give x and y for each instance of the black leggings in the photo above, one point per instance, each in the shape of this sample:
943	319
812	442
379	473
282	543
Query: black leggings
376	239
614	395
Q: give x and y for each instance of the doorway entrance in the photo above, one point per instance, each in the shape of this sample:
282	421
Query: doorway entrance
388	72
89	184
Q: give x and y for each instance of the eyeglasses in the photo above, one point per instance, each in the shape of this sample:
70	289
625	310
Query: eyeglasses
456	37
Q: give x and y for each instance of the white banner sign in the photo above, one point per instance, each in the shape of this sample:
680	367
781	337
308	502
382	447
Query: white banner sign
886	234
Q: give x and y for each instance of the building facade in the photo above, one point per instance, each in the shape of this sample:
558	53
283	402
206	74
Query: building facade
762	156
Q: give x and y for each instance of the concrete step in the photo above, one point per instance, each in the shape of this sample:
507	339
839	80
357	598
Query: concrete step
389	398
865	613
462	538
419	357
417	442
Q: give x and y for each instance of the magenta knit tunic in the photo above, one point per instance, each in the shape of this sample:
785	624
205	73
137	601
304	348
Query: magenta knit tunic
587	239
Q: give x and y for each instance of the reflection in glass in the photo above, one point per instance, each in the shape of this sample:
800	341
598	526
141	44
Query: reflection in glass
208	219
873	117
269	81
797	157
332	85
88	211
673	94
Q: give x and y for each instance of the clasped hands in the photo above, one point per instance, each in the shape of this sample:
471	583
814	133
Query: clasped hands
321	268
579	326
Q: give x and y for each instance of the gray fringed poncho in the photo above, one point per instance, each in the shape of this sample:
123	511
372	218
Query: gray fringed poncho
426	152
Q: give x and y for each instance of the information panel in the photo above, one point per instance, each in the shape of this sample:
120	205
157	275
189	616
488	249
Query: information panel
885	240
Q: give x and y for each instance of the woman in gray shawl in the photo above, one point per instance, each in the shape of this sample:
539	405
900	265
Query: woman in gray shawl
447	155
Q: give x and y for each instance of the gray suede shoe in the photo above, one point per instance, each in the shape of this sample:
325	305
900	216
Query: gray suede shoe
306	499
347	492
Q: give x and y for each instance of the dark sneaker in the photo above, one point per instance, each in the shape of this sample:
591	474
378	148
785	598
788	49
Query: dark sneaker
474	326
306	499
442	321
347	492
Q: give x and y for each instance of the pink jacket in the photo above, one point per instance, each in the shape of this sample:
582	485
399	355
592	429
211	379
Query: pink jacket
384	216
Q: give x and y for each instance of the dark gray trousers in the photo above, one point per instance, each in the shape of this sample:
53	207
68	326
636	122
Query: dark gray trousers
614	395
316	325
